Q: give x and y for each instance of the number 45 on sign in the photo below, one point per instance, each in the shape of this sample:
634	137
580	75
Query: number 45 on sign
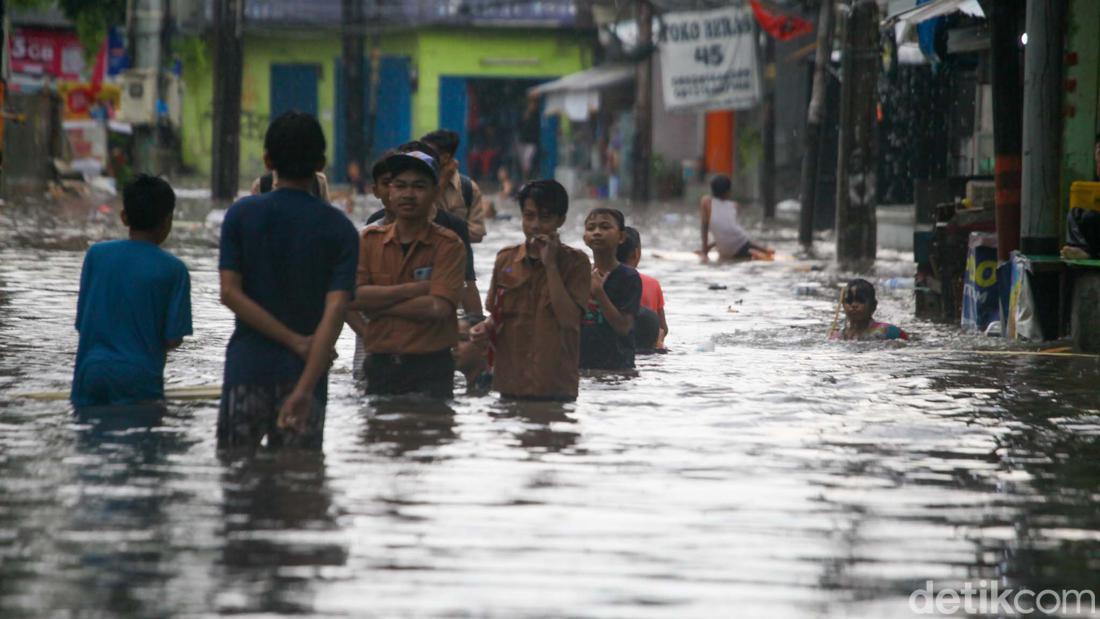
710	55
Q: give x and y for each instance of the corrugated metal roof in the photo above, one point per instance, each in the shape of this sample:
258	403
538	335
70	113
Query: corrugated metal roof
46	17
402	13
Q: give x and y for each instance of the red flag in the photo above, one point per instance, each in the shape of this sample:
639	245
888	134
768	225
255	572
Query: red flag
100	69
781	27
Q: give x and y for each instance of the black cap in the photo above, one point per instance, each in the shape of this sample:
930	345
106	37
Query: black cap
413	160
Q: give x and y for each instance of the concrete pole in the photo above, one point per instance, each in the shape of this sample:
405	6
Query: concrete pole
643	106
5	62
228	72
1039	227
814	116
148	22
354	81
148	27
856	238
1008	121
767	167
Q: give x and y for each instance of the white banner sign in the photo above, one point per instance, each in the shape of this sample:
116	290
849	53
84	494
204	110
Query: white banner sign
708	59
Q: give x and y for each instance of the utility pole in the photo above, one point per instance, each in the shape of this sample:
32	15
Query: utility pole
1008	121
643	105
767	167
372	102
814	116
1039	225
354	80
228	71
856	239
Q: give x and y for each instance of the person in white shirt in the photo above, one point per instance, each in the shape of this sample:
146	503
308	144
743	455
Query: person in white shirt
718	217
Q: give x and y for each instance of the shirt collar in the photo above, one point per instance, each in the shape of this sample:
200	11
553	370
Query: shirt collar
425	237
521	253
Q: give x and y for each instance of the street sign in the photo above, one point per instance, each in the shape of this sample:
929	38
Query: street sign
708	59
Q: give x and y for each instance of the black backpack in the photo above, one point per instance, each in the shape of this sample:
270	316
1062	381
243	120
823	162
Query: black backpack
467	192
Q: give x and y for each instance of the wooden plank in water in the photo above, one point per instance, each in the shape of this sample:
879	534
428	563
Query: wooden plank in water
690	256
200	392
1000	353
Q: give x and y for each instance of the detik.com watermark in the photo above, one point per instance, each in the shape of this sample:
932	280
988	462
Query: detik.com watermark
987	597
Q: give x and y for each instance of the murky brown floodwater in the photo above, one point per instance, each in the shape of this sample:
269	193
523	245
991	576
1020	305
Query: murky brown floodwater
755	471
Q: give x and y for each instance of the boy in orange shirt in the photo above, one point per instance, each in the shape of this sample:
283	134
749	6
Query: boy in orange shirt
651	329
410	281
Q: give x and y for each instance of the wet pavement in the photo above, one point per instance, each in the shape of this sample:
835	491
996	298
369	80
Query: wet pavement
754	471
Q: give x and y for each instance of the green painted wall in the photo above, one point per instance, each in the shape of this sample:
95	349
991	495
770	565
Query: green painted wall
260	52
492	53
1079	130
525	53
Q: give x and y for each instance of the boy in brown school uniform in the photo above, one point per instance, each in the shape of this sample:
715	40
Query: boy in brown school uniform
535	302
410	280
459	194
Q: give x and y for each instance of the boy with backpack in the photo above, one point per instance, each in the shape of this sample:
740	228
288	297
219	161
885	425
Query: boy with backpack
460	194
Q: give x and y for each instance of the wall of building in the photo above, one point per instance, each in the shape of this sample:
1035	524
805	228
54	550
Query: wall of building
1080	128
260	52
519	53
677	135
435	53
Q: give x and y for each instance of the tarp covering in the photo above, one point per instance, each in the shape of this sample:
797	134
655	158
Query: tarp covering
935	8
578	94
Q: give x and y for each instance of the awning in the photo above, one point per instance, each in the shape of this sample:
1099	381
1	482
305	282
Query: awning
914	15
578	94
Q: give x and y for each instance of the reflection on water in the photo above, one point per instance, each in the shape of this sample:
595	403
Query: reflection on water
755	470
539	426
280	533
407	425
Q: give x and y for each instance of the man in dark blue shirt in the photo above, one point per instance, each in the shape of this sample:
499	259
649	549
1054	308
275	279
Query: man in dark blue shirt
287	266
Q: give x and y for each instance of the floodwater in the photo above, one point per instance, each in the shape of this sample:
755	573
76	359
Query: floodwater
756	470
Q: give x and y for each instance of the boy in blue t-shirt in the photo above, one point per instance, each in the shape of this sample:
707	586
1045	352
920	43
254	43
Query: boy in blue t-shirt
287	266
134	304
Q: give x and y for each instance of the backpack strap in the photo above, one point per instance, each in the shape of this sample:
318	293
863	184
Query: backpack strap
467	192
267	181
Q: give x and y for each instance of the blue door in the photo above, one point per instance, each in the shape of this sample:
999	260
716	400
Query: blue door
453	103
294	87
393	112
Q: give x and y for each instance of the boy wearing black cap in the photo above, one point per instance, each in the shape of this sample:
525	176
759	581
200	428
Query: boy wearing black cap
536	300
410	280
287	265
471	300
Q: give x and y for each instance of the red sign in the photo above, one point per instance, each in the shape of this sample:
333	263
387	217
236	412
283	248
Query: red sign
78	101
36	51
